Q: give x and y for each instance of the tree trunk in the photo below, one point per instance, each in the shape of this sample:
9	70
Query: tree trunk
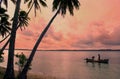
9	74
26	67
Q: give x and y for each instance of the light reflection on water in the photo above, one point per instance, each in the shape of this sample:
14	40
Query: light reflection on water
71	64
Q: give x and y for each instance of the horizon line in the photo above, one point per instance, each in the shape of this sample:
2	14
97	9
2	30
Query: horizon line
69	49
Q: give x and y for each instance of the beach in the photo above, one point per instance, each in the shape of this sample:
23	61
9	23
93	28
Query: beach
30	75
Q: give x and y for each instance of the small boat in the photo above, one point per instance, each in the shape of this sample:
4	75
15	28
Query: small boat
106	61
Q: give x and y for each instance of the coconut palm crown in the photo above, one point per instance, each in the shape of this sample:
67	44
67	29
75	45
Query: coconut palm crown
36	4
23	20
63	5
4	23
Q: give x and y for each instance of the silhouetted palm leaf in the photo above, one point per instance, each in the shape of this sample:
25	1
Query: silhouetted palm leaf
4	26
4	23
36	4
23	19
6	2
43	3
66	4
29	3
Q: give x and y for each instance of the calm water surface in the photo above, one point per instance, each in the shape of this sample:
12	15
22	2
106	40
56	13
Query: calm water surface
71	64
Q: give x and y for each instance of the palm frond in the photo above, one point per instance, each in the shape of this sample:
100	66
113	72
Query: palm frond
23	19
56	3
29	4
70	8
36	6
76	3
65	5
4	30
4	23
42	3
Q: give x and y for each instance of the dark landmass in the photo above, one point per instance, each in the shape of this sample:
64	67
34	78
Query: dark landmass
71	49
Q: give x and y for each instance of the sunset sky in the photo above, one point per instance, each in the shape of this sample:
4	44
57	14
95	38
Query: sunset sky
95	25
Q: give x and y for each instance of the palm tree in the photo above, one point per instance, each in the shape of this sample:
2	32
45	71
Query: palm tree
22	22
6	29
2	11
25	18
61	6
9	74
4	24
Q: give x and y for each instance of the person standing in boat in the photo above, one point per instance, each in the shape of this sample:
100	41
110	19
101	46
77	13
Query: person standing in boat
98	57
93	57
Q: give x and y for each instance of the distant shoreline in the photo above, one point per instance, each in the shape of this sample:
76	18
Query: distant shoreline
71	49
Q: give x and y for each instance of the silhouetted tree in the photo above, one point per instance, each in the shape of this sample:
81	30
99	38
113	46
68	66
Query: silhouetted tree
61	6
9	74
25	18
4	27
17	22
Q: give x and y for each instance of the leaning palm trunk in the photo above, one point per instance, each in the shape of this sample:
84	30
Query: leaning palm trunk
26	67
9	74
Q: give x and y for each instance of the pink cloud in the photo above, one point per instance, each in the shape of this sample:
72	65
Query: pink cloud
98	36
95	25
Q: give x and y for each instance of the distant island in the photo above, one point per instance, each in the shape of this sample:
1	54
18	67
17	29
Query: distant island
70	49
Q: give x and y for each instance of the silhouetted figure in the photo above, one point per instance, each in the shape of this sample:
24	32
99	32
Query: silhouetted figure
93	57
98	57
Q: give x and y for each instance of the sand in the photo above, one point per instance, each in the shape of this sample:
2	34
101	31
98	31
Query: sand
30	75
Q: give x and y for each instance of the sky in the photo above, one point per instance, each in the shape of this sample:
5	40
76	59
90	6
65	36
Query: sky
94	26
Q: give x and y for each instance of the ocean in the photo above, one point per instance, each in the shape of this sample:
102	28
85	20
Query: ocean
71	64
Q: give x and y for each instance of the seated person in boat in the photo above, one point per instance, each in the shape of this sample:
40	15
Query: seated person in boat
93	58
